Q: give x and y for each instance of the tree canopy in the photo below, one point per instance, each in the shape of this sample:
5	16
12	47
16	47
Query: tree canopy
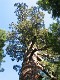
52	6
2	41
28	36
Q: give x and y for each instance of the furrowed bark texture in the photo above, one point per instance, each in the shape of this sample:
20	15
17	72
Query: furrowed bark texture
30	68
31	64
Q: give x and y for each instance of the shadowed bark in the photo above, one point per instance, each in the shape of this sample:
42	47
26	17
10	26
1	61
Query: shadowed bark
31	64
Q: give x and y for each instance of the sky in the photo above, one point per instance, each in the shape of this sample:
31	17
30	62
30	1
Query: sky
6	17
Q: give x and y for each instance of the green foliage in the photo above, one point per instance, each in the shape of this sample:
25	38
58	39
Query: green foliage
2	41
50	6
55	29
31	24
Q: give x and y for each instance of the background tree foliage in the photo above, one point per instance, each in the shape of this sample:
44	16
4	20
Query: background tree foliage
29	33
52	6
2	41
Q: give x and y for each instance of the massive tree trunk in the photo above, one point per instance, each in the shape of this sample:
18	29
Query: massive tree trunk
32	66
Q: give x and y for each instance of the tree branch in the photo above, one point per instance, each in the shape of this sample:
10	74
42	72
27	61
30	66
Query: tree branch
31	45
43	48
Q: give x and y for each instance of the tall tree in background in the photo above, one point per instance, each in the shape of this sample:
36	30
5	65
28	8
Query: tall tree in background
2	41
37	46
52	6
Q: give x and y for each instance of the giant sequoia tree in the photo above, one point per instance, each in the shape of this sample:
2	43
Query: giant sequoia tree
2	41
35	45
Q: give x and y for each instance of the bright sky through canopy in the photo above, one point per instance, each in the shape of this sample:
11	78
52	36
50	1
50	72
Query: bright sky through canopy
7	11
6	17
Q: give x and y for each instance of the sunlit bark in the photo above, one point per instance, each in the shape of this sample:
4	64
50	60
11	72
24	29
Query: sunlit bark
31	65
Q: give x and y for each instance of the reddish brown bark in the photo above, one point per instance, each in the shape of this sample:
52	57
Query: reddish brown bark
31	64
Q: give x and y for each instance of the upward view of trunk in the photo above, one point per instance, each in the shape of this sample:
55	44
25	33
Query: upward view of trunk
31	65
30	68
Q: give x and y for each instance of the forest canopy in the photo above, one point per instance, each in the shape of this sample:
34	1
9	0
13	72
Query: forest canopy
52	6
27	37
